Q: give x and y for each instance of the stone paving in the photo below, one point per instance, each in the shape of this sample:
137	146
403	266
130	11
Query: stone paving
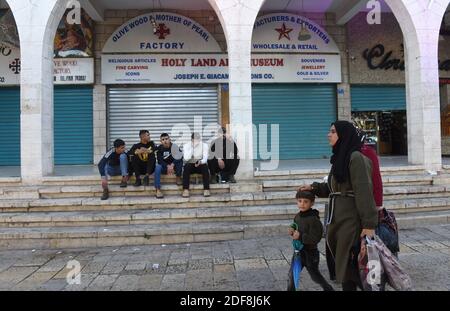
250	265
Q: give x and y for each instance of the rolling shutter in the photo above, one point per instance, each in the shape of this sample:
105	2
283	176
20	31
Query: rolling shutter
158	109
304	113
73	138
10	126
378	98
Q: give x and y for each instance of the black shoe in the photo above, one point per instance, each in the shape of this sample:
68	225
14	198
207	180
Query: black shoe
105	195
146	181
123	184
137	183
231	179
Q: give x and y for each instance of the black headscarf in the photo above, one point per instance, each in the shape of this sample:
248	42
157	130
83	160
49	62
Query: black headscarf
348	142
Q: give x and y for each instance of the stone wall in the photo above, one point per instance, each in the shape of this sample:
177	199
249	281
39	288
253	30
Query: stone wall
362	36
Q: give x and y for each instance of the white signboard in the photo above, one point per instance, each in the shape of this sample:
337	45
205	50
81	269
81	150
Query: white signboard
9	65
73	70
290	33
66	70
213	68
161	32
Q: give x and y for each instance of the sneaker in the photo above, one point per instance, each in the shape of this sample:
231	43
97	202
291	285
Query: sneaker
231	179
105	194
206	193
178	181
185	193
159	194
137	183
146	181
213	179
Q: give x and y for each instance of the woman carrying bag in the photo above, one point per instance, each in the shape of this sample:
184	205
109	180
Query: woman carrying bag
352	213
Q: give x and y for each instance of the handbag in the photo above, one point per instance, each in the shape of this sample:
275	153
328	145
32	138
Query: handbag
387	230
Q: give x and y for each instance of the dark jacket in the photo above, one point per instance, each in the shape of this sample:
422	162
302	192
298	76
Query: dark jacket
168	155
223	148
310	228
143	157
111	158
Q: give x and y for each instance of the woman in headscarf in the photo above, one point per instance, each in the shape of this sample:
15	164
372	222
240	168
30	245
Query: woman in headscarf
352	212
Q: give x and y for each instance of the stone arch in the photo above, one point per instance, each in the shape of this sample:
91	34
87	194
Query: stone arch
420	25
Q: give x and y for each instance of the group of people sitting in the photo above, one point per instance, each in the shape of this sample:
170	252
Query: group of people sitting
217	162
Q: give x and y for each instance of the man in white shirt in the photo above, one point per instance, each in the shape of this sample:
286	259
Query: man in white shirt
195	155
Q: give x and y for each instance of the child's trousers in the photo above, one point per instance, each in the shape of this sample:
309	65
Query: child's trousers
310	260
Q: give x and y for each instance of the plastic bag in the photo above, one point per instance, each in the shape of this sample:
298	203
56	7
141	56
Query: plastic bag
369	266
397	277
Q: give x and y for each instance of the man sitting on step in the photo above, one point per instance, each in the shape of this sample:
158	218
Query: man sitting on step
114	163
143	158
170	161
195	155
223	159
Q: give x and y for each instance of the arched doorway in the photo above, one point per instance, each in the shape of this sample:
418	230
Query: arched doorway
9	92
444	75
161	66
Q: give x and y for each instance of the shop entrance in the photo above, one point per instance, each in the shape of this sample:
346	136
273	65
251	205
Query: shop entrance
386	130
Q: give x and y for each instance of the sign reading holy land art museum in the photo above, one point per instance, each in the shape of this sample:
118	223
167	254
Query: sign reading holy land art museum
162	47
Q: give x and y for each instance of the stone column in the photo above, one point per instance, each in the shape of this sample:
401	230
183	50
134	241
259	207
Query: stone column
36	22
100	143
237	18
420	21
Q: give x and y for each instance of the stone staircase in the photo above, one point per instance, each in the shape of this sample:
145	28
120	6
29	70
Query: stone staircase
66	212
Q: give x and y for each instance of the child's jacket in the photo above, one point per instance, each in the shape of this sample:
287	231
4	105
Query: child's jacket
310	227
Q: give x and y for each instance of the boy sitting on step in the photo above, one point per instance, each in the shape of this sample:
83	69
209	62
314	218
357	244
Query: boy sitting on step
309	233
114	163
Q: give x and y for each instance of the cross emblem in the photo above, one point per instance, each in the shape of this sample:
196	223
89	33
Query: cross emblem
15	66
162	31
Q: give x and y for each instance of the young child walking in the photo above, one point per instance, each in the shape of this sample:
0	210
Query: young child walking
309	233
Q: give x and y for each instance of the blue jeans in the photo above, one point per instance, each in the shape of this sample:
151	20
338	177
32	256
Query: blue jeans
162	169
121	170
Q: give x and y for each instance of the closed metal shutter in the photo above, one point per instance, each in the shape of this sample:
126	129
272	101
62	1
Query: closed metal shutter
158	109
10	126
73	138
304	113
378	98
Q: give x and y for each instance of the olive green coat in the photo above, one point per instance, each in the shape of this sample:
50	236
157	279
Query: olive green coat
351	214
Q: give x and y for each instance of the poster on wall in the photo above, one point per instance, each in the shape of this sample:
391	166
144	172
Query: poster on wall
8	30
75	40
213	68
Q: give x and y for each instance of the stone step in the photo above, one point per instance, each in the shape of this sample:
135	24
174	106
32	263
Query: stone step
228	203
153	216
320	173
177	215
195	201
389	192
77	237
67	191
